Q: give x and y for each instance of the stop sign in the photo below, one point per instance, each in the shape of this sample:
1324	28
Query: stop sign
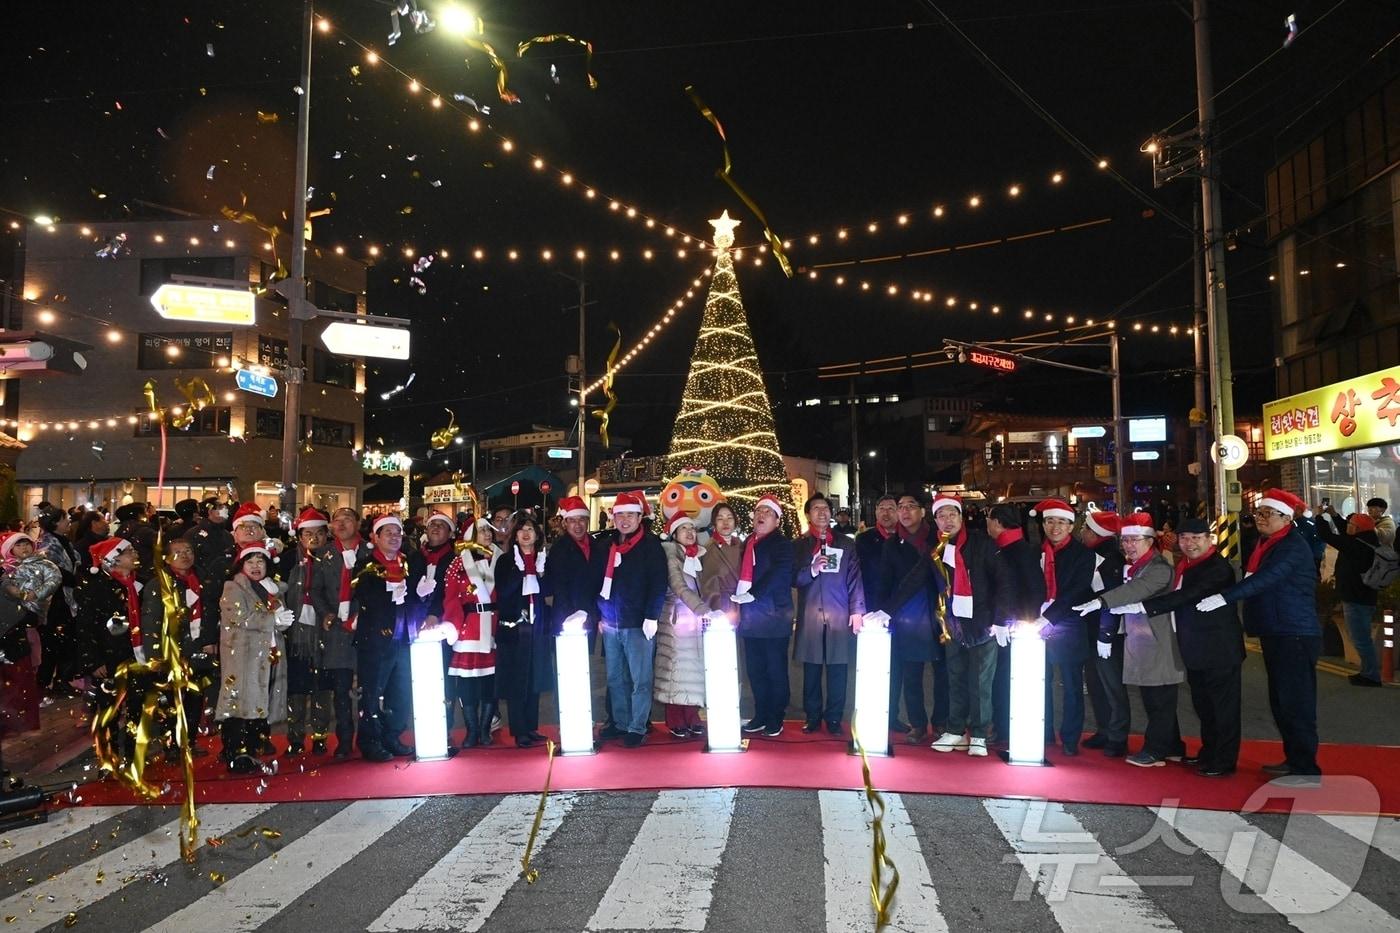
545	487
515	487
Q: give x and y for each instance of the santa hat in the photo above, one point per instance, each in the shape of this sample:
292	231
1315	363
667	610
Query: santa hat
10	538
677	520
1054	508
247	512
629	502
943	500
1102	523
1138	525
104	553
1363	522
770	502
442	517
572	507
385	520
1281	500
250	550
310	517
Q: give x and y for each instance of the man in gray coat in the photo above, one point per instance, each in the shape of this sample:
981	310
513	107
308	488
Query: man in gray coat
331	597
830	605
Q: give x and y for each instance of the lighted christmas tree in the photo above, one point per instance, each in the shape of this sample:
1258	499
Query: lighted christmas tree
725	423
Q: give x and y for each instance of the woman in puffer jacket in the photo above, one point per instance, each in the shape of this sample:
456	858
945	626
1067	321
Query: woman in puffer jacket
678	678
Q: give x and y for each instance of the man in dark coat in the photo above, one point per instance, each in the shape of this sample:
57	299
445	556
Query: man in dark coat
1068	570
198	640
1279	593
1018	592
1212	644
764	597
331	595
1356	545
214	551
870	546
386	610
910	604
1104	670
630	601
574	571
830	606
309	688
135	528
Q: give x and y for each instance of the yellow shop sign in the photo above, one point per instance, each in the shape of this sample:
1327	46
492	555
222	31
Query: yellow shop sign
1359	412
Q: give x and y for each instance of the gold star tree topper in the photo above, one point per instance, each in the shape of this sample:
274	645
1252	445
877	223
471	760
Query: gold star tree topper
724	230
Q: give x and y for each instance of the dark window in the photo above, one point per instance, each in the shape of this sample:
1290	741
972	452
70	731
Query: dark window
156	272
268	422
329	369
207	423
328	433
272	352
191	351
329	298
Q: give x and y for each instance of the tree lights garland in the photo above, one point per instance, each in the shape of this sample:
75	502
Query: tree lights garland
650	335
725	423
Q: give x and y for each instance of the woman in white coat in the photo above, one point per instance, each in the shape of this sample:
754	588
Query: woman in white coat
678	678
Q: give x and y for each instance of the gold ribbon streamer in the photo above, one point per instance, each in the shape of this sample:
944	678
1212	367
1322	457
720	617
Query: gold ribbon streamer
198	396
532	875
273	232
561	37
879	857
442	437
724	175
502	76
604	414
149	390
944	636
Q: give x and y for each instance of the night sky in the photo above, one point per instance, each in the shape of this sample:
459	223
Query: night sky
837	115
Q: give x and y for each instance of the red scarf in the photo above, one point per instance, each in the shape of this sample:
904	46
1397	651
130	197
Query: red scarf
1130	570
962	580
585	544
1256	556
1183	564
133	606
746	563
434	555
345	568
721	541
820	539
918	537
395	571
191	581
1009	536
884	535
1047	563
616	551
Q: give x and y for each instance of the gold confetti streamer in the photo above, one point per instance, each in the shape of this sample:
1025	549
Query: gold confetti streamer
881	900
266	117
272	231
724	175
561	37
604	414
944	635
442	437
532	875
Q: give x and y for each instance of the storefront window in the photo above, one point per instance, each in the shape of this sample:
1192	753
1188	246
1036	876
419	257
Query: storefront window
1332	476
1378	473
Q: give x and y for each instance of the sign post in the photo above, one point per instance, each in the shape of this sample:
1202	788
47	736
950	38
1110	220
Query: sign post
176	301
346	339
256	383
515	491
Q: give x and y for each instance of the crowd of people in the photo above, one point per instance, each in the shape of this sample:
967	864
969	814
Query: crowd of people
307	629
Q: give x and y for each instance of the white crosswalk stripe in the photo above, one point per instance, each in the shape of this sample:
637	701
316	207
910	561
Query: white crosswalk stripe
691	827
488	857
846	842
260	893
668	862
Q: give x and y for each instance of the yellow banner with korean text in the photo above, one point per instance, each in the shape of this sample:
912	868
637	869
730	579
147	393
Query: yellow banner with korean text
1363	411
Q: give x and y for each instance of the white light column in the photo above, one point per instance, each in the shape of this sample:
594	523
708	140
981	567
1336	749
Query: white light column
429	700
721	649
575	689
871	719
1026	742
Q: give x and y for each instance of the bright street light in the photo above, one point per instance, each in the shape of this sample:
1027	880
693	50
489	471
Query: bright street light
459	21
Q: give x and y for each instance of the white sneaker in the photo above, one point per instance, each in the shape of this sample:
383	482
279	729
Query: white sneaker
949	742
978	748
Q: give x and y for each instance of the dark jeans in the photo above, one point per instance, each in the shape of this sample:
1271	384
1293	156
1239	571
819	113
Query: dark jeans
971	672
1215	695
1071	702
1291	663
1114	727
1098	697
765	659
835	705
913	676
386	695
1162	737
342	681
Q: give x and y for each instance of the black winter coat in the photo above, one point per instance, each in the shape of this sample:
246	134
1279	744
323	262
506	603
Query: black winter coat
1207	639
1068	642
1018	584
213	558
524	641
377	615
910	598
1354	558
1108	575
870	547
771	613
573	581
639	584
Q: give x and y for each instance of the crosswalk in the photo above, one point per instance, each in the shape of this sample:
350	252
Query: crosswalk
700	860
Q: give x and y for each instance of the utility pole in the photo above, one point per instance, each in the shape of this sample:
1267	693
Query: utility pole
853	488
1201	421
1120	434
582	384
296	293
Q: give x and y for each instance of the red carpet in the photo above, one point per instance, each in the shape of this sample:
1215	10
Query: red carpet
797	761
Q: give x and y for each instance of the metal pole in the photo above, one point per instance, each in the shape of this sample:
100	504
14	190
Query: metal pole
1119	435
296	298
1198	342
582	384
854	485
1226	497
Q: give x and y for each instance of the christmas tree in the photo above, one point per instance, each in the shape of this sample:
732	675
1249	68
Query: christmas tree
725	423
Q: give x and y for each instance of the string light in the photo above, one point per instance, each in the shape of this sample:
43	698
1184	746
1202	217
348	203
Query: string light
667	316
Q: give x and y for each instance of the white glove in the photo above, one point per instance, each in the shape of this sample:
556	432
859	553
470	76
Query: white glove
715	617
117	625
283	618
1210	603
741	598
649	628
1130	609
140	654
575	621
1002	634
1105	649
1092	606
879	618
425	587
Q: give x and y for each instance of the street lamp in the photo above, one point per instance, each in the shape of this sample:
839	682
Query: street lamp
458	20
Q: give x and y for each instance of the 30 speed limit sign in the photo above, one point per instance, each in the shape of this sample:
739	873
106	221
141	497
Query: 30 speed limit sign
1230	451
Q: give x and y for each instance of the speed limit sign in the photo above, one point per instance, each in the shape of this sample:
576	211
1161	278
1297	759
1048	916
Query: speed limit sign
1230	451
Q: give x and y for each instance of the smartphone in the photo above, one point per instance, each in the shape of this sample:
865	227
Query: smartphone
1326	503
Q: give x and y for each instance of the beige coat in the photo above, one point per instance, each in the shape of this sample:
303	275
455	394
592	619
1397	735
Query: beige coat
719	576
679	673
252	686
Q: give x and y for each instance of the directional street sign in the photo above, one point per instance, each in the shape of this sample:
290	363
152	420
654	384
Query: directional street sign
256	383
206	305
346	339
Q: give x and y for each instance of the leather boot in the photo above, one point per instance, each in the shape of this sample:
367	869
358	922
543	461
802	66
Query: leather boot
483	722
471	714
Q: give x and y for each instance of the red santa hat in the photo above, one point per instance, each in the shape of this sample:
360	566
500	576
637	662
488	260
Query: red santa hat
677	520
1281	500
10	538
247	512
385	520
1054	508
310	517
629	502
943	500
1102	523
442	517
572	507
250	550
1137	525
770	502
105	553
